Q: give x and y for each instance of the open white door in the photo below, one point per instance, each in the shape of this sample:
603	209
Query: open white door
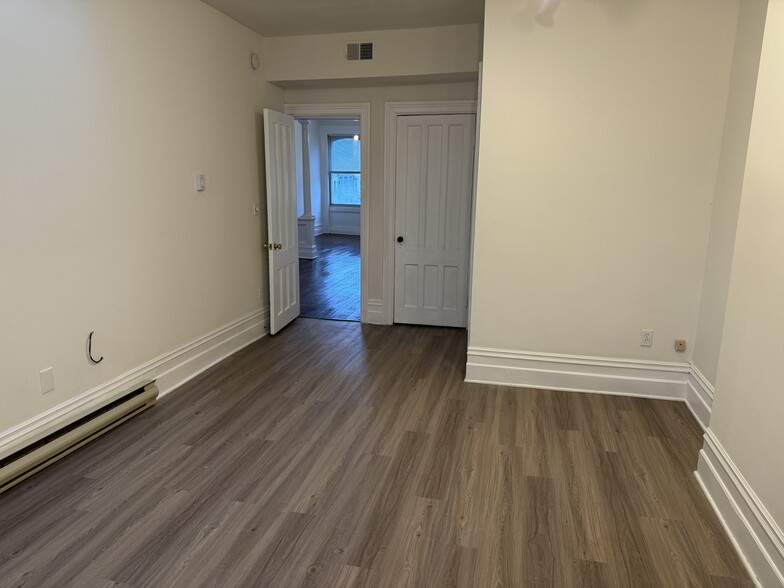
282	240
433	182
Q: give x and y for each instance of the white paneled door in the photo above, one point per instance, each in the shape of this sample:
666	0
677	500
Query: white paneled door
282	239
433	183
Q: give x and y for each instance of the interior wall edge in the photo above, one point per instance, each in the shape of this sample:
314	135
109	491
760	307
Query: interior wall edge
753	532
699	395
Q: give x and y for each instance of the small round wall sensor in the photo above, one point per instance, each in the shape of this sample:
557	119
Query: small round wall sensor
254	61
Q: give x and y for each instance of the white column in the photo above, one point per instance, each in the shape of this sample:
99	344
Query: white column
306	169
306	224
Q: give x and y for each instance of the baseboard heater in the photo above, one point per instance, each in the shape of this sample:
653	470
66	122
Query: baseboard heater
29	460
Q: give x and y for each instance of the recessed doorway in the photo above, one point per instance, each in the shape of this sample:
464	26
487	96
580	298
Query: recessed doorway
329	206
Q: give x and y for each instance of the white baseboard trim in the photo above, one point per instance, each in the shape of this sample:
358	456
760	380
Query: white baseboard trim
699	396
171	370
754	533
575	373
306	252
333	230
375	312
212	351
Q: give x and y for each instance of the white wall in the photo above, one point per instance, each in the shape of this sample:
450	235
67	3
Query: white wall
377	96
600	141
729	181
108	110
749	404
444	51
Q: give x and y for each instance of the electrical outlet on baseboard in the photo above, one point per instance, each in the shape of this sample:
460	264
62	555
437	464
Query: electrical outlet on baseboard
646	338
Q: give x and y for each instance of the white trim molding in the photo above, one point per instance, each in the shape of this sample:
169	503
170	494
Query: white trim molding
391	112
375	312
360	110
348	231
576	373
699	396
306	236
306	252
171	370
755	535
349	215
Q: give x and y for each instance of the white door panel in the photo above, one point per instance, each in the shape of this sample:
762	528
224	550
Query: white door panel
433	181
282	238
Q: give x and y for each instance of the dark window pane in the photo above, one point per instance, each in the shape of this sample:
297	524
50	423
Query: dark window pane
344	154
344	188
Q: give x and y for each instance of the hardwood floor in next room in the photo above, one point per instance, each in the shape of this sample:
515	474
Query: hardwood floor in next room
329	285
341	454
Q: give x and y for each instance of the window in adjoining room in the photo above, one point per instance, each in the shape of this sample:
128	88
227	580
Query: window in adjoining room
344	170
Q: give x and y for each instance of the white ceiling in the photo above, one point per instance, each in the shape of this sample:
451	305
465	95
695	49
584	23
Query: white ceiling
277	18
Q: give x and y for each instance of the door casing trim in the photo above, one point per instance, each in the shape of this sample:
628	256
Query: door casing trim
391	111
362	111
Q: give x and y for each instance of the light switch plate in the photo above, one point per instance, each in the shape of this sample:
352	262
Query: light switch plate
201	182
47	380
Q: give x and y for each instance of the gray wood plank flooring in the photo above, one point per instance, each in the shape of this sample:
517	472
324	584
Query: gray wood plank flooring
329	285
340	454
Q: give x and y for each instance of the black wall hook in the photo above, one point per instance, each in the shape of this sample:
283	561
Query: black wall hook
90	350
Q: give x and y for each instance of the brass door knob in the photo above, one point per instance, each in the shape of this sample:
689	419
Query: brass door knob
267	246
278	246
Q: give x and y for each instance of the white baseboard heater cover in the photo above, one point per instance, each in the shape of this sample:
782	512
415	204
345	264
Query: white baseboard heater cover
29	460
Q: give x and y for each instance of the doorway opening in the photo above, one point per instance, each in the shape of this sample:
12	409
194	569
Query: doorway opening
329	220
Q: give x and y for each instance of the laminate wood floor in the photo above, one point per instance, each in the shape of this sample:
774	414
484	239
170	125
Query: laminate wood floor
340	454
330	284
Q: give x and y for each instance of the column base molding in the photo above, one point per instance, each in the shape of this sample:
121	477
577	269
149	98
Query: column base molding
306	228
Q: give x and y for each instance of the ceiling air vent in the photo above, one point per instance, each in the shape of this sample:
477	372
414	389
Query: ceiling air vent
359	51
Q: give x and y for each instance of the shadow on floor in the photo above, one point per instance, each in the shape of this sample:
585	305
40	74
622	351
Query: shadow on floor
330	284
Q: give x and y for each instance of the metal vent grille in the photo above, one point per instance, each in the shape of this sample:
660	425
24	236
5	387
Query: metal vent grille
359	51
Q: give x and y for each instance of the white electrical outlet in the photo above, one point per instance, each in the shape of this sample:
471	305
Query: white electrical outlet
646	338
47	380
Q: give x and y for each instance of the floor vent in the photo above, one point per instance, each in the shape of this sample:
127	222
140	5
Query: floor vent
31	459
359	51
